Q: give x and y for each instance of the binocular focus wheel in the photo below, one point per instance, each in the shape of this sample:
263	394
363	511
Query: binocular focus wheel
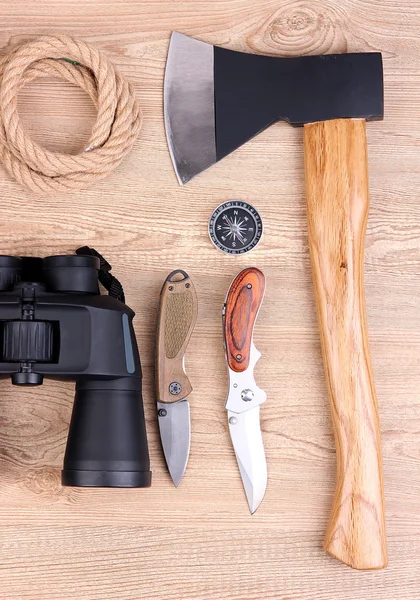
25	341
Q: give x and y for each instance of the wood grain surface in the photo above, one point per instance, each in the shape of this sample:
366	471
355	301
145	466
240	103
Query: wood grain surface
199	542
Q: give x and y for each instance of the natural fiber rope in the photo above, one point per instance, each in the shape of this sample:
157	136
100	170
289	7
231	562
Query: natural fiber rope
113	134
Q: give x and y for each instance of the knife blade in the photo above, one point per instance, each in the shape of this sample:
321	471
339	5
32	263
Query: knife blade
176	319
242	304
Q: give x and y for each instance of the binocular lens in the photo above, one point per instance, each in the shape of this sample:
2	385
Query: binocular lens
107	444
10	271
74	274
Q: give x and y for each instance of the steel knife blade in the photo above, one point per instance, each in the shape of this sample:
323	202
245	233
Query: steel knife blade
176	319
243	301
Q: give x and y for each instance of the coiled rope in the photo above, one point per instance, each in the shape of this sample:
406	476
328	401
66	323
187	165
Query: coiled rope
114	132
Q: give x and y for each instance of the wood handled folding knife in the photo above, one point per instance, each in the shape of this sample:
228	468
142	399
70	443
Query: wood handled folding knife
176	320
243	301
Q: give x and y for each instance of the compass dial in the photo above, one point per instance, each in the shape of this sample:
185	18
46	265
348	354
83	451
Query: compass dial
235	227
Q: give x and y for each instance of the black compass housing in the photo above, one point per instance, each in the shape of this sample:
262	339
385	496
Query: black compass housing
235	227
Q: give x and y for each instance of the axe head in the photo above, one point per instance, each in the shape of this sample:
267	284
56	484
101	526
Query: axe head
217	99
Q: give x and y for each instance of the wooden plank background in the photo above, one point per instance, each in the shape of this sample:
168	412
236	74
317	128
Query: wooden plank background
199	542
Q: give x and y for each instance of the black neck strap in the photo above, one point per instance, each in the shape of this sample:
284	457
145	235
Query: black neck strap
110	283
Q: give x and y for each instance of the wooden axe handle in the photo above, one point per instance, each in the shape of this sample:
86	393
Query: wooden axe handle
337	207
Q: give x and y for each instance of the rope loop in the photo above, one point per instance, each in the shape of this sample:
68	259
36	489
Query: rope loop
117	123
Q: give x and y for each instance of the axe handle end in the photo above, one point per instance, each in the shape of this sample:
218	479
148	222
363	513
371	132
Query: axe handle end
337	208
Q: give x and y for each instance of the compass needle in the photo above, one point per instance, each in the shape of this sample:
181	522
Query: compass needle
240	237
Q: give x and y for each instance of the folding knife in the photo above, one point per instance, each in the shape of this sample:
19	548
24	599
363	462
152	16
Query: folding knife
176	320
243	301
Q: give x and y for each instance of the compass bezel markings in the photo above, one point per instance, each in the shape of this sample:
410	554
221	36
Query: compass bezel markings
215	227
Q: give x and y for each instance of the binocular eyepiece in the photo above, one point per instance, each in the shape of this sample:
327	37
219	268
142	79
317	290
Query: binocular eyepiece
76	274
54	323
10	271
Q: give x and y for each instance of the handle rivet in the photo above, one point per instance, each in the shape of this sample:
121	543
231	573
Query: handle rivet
175	388
249	286
247	395
170	288
238	356
233	420
187	285
162	412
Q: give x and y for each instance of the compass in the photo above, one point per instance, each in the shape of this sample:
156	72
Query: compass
235	227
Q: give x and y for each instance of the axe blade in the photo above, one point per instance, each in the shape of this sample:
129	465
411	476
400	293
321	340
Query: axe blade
215	99
189	106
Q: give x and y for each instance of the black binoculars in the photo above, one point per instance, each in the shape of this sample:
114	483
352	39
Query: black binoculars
54	323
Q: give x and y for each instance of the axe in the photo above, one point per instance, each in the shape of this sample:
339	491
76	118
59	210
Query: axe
215	101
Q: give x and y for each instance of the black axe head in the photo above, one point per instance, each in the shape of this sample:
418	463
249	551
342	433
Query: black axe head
217	99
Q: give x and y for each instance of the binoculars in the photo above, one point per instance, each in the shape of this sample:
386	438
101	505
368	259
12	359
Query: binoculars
54	323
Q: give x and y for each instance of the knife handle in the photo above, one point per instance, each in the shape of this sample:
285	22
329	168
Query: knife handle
242	304
176	320
337	208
